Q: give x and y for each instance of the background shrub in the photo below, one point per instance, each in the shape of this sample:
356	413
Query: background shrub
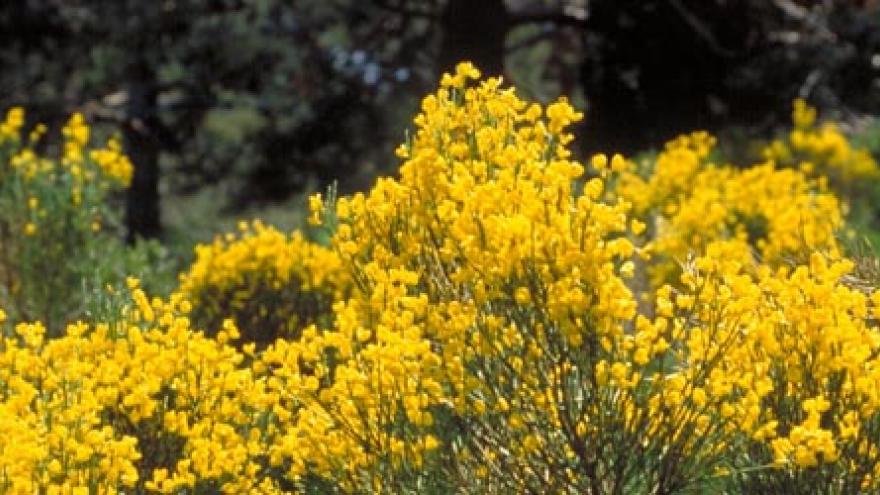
59	231
271	284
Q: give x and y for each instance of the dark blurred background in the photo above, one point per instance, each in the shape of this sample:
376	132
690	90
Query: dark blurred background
248	103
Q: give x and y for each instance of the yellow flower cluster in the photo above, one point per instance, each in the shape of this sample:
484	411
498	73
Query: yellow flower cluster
50	408
110	161
689	202
805	361
83	164
144	404
113	162
10	128
272	284
354	401
821	149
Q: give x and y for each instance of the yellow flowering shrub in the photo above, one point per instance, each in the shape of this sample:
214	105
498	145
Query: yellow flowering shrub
532	372
271	284
54	213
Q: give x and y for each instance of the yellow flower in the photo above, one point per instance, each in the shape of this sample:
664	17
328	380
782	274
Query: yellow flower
522	296
599	161
316	209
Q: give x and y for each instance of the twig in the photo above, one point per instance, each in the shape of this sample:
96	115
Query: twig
404	11
553	16
700	28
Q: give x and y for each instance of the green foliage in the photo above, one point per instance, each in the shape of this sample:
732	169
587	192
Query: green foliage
59	232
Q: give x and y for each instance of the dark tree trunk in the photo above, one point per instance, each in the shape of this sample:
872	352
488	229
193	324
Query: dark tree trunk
474	30
142	145
653	75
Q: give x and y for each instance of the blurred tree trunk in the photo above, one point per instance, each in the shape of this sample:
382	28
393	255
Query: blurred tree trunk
142	145
642	93
474	30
